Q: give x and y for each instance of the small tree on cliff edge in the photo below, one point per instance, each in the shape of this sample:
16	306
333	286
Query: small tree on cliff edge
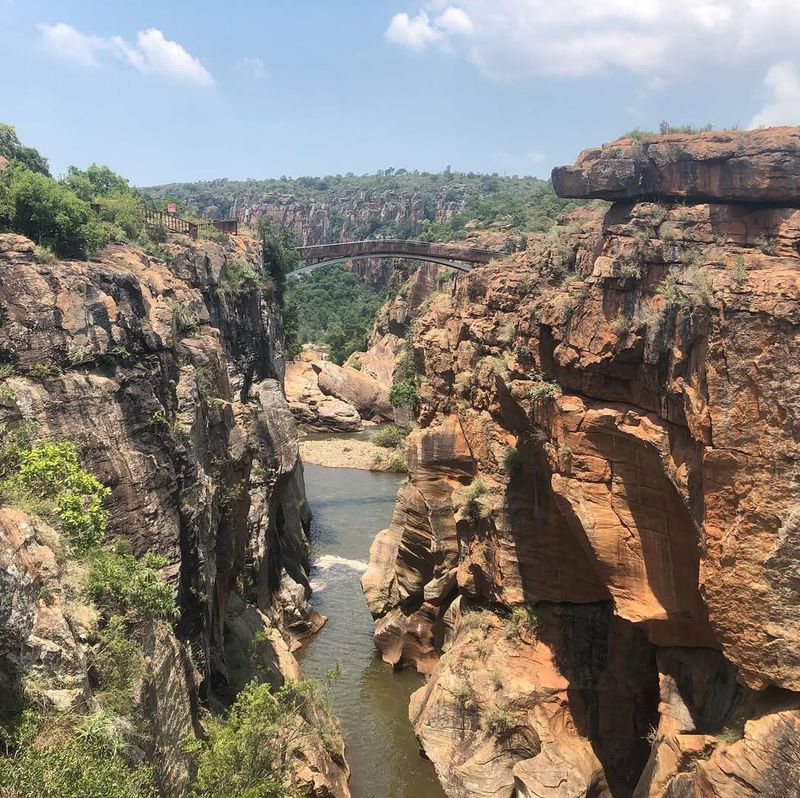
278	248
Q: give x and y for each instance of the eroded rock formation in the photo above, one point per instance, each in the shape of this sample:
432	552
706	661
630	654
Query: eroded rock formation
171	389
596	554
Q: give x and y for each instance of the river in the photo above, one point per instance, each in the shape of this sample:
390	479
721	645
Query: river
370	700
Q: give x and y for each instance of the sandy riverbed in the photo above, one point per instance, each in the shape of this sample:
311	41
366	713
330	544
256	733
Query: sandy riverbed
347	452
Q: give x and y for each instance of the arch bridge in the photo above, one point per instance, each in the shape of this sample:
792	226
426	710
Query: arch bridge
460	258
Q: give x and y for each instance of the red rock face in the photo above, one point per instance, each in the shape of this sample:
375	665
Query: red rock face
627	394
738	166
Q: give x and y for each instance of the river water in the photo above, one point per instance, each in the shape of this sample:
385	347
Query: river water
370	700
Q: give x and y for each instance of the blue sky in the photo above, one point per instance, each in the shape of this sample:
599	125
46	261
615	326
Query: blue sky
177	90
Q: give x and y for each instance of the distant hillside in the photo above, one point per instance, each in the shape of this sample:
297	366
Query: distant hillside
389	204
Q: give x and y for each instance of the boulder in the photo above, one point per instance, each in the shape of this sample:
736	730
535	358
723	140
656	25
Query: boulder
751	166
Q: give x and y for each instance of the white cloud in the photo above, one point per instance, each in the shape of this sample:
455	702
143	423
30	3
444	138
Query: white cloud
253	67
414	33
455	20
514	39
152	53
783	106
66	42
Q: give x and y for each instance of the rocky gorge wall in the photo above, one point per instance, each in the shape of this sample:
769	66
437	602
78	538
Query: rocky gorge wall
595	557
170	383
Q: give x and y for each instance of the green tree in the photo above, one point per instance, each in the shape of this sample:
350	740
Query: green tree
247	755
12	149
280	255
50	214
95	181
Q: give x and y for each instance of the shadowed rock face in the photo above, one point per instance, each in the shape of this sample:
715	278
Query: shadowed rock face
172	391
752	166
626	391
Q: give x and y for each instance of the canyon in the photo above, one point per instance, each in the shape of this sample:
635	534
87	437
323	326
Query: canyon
593	563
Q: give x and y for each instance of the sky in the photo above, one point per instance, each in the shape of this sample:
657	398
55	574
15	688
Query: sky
176	90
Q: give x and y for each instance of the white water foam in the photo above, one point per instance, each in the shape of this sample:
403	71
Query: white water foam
318	585
327	561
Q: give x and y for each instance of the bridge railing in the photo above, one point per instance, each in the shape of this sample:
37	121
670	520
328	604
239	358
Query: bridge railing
395	248
170	222
175	224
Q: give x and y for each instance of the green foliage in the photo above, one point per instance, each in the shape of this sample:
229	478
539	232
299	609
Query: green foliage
48	472
94	182
673	295
389	436
404	394
117	664
542	389
122	213
48	213
73	768
13	150
767	245
332	307
510	459
238	277
498	720
248	754
526	203
278	248
120	583
523	620
665	128
471	497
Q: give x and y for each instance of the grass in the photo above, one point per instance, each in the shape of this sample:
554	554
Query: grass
542	389
522	621
389	436
471	496
498	720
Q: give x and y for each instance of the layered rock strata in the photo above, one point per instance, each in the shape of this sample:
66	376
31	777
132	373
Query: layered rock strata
170	384
595	556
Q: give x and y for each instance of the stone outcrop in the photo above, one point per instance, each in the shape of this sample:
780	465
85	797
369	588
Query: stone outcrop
750	166
172	391
325	397
608	457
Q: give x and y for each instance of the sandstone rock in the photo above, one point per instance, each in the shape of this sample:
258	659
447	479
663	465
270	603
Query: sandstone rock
37	642
369	397
750	166
633	430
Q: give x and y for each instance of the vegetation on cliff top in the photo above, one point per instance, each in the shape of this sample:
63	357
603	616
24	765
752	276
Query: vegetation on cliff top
527	204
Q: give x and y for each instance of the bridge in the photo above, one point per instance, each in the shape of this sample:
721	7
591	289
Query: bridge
460	258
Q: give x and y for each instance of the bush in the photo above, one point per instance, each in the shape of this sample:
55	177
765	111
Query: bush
498	720
278	250
73	768
471	495
388	436
12	149
522	620
121	584
238	277
544	390
510	459
117	664
48	213
248	753
49	472
404	394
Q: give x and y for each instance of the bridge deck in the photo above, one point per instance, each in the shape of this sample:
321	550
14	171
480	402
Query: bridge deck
395	249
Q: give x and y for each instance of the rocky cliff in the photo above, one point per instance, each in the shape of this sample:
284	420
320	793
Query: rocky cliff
167	377
596	556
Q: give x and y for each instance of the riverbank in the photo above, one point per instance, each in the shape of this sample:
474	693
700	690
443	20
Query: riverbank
350	451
